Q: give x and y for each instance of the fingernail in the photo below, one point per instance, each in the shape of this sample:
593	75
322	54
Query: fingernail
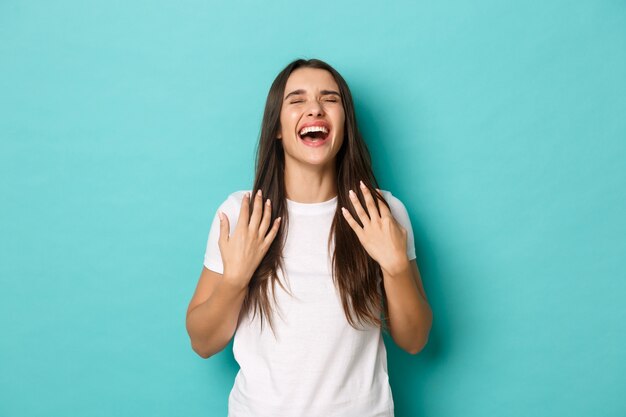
362	185
267	202
352	193
258	192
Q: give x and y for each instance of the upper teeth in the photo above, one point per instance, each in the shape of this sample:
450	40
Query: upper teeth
313	129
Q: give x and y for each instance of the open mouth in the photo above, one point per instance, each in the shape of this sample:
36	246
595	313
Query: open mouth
314	134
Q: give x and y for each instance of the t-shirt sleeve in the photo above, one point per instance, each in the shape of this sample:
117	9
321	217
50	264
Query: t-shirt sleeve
400	213
212	254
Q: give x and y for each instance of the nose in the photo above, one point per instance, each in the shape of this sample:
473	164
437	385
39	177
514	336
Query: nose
315	108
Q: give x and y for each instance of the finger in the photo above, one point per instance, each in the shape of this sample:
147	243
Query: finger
380	195
353	224
267	216
224	227
273	231
359	208
256	211
369	201
382	207
244	213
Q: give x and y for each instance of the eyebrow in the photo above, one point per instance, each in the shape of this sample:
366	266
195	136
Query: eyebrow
323	92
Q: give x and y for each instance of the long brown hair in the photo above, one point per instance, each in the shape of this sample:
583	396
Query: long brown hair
355	274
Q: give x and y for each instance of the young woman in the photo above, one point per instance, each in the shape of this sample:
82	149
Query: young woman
341	251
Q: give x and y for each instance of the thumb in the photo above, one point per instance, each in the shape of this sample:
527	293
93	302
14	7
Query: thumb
224	226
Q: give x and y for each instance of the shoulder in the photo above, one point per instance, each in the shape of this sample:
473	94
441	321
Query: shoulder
394	202
232	203
234	199
397	208
237	196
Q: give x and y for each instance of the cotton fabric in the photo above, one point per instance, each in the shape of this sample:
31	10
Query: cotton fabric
317	364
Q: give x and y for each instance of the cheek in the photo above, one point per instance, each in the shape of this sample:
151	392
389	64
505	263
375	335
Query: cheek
289	120
292	114
340	121
338	113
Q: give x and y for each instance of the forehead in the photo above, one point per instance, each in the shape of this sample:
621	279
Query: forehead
311	79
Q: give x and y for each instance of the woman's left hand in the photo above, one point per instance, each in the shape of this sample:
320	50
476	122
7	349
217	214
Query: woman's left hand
383	238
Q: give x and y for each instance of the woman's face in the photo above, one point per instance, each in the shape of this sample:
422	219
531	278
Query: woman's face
311	101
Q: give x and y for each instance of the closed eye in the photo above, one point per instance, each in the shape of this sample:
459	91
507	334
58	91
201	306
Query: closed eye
332	100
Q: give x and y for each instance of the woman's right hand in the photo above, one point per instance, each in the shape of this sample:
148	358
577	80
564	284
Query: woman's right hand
243	251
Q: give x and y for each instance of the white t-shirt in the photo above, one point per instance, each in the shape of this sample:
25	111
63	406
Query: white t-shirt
318	365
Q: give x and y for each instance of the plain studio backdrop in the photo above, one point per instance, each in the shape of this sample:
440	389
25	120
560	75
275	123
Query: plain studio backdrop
500	125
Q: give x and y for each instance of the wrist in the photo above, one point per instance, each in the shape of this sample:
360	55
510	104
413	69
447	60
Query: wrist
235	283
399	266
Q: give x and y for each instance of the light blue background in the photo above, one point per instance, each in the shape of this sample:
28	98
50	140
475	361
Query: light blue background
500	125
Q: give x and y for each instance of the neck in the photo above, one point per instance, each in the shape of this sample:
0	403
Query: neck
309	183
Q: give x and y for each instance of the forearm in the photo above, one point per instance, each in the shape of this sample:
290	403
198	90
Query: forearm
212	324
410	316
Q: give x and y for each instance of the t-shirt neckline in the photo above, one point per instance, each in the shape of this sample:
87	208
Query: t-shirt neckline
312	208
